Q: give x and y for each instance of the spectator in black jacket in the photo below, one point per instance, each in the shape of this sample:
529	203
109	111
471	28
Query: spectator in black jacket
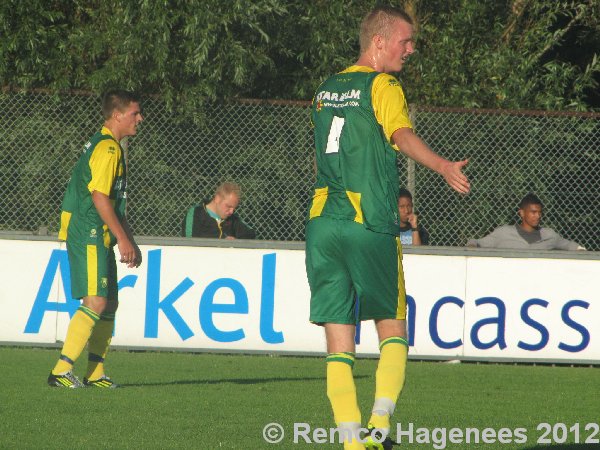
217	218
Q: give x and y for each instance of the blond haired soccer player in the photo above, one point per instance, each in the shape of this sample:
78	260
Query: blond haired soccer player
92	222
352	246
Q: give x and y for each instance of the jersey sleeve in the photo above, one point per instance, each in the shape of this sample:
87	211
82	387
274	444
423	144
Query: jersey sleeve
389	105
104	164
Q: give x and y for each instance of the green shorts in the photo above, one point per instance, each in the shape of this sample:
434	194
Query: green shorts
93	266
348	264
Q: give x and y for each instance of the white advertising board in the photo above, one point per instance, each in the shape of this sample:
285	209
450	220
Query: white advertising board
23	265
240	299
532	308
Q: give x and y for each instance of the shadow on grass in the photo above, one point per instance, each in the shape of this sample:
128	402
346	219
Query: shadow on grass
227	380
563	447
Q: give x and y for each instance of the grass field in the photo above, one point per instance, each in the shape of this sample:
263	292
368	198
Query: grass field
207	401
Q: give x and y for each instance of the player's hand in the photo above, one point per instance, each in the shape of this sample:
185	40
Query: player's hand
138	256
455	178
127	252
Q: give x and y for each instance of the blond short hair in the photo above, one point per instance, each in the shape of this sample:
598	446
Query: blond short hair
228	187
379	21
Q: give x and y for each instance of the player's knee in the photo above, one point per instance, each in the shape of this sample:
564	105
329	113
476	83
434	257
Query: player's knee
387	328
96	304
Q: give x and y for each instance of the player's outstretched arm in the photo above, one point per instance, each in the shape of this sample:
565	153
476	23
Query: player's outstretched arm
109	217
415	148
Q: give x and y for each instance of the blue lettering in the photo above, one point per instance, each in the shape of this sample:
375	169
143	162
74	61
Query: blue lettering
208	308
267	300
544	335
433	322
154	304
127	281
500	322
42	303
585	334
411	315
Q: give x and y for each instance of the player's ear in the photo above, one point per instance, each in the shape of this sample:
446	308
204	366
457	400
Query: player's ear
118	115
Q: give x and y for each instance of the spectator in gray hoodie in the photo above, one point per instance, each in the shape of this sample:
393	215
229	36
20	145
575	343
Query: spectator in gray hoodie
528	234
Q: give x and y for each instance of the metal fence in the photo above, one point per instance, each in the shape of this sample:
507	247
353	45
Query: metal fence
176	161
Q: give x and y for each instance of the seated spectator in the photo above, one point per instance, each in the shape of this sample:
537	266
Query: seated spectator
528	234
217	218
411	232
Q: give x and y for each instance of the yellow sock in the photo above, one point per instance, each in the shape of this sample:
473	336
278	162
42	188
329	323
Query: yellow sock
78	334
389	380
98	345
341	392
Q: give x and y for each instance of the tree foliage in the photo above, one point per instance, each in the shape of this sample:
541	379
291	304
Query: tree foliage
185	51
507	54
531	54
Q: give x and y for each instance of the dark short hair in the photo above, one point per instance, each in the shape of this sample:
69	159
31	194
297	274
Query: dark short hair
530	199
117	99
404	193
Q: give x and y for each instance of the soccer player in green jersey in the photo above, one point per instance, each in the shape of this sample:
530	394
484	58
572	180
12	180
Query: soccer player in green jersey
92	222
352	246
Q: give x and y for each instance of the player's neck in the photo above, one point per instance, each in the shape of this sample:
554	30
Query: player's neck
369	59
113	130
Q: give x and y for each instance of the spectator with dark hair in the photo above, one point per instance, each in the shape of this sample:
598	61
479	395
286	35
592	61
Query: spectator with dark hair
217	218
528	234
411	231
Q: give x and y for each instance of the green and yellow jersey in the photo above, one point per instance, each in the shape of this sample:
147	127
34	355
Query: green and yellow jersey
101	168
355	113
